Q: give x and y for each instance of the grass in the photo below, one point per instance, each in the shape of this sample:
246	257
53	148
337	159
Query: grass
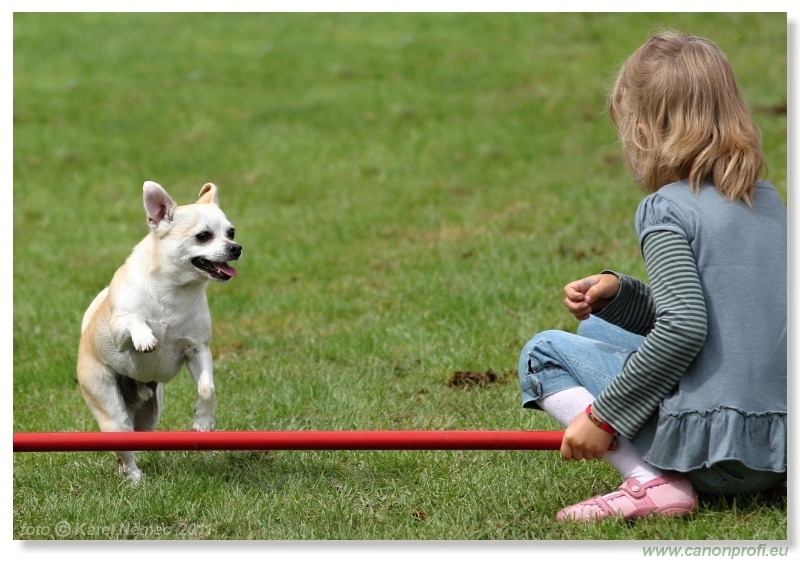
412	191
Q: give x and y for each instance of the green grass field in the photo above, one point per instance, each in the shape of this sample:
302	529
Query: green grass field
411	190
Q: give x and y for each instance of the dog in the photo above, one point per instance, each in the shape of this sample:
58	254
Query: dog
153	318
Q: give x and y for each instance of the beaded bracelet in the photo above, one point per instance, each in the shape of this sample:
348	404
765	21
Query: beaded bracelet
605	426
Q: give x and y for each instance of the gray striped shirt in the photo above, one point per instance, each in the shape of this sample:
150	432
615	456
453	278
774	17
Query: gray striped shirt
671	344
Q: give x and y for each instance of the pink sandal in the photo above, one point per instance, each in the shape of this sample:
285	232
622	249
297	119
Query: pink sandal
670	496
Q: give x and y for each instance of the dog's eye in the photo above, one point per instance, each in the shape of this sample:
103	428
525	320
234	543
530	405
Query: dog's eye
204	236
231	234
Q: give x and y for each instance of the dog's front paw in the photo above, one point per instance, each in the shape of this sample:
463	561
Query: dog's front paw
203	424
145	344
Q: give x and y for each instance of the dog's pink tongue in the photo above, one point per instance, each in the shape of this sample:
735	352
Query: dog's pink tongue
226	269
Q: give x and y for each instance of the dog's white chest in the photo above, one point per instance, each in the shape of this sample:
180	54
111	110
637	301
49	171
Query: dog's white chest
179	336
174	333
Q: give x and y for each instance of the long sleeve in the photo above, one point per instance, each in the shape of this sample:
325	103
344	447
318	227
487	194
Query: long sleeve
633	309
677	334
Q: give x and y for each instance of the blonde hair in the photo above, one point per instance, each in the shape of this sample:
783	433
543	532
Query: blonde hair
680	116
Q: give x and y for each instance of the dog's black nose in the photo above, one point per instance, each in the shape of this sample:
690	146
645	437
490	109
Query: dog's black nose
235	250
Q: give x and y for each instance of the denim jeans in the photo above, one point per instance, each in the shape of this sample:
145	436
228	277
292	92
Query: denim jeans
554	360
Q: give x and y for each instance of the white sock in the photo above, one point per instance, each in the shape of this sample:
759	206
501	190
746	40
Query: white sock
627	460
564	405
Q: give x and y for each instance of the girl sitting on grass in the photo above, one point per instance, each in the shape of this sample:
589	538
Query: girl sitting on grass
684	378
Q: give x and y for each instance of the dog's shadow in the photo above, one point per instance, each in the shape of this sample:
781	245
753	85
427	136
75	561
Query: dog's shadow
268	470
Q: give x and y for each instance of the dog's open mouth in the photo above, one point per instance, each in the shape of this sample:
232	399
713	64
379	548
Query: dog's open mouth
220	271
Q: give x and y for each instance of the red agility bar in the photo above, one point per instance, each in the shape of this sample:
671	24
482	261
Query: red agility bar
287	440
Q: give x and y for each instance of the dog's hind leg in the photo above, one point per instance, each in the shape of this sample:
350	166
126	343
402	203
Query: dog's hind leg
145	418
104	392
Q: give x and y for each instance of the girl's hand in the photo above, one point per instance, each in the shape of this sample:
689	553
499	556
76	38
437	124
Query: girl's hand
590	294
583	440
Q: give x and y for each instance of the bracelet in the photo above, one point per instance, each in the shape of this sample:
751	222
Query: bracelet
605	426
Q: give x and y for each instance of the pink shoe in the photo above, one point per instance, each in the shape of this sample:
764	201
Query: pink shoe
671	495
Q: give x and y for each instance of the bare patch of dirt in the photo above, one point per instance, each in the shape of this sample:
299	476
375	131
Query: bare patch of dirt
473	379
775	109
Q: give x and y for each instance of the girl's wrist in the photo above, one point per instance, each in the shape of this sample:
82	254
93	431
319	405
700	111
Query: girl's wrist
616	281
604	425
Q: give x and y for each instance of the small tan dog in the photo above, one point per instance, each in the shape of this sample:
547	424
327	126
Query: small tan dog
154	317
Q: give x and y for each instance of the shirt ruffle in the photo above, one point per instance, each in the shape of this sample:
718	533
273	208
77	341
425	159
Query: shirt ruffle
687	441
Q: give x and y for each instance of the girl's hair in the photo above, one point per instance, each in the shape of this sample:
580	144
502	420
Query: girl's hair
680	116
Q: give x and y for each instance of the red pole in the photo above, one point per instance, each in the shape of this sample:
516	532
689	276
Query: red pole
287	440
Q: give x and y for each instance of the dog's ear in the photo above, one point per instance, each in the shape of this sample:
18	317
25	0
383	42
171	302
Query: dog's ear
157	203
208	194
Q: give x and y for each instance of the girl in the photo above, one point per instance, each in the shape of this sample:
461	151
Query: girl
684	378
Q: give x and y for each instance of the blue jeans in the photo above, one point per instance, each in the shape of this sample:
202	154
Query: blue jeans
554	360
